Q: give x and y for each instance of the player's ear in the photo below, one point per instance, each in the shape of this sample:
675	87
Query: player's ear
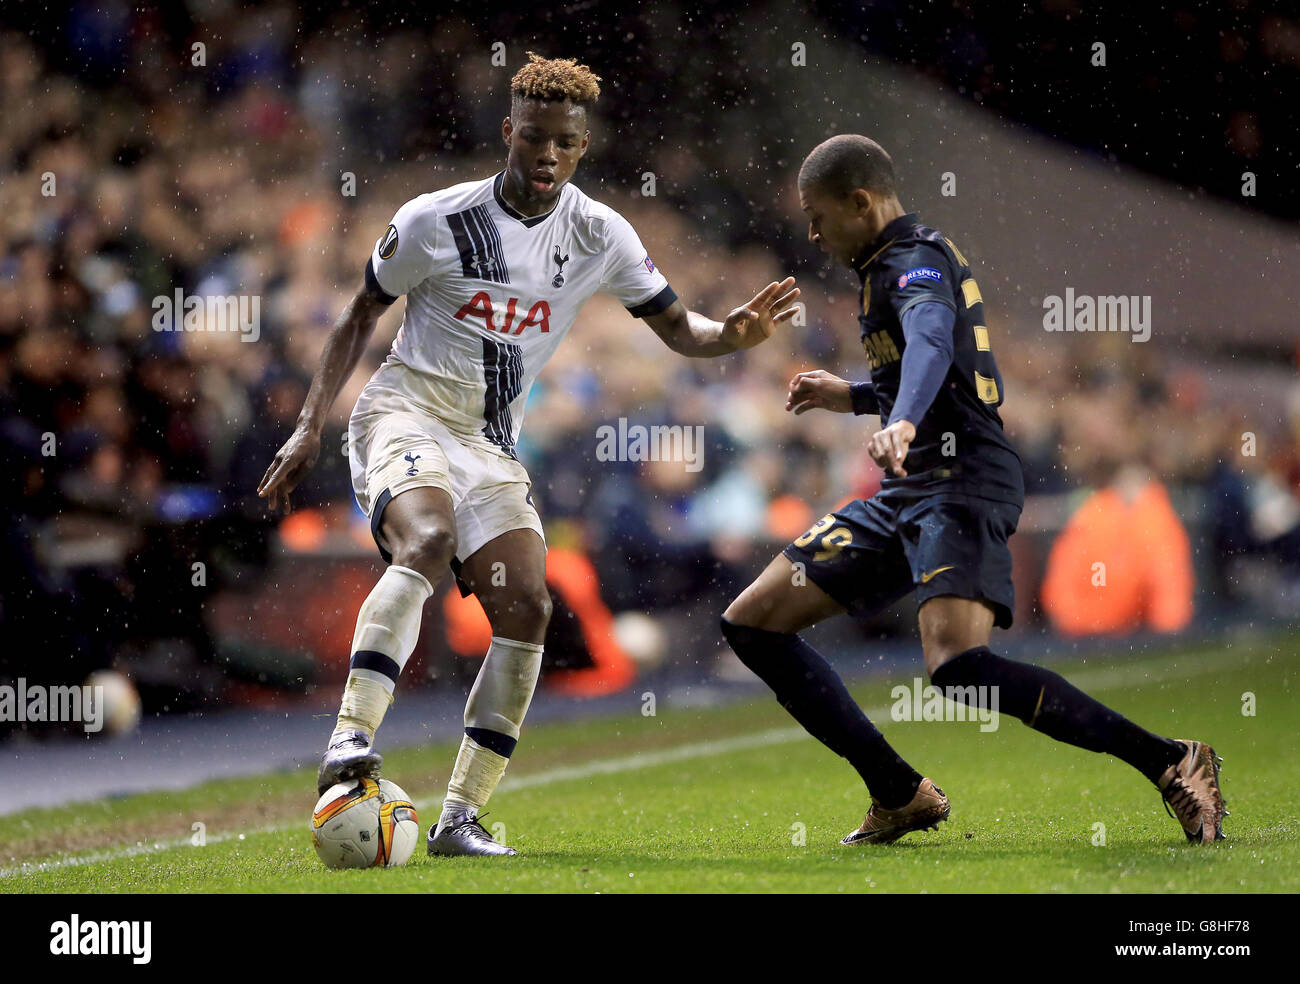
861	201
507	128
586	141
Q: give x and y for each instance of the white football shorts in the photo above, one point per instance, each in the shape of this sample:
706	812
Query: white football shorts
393	451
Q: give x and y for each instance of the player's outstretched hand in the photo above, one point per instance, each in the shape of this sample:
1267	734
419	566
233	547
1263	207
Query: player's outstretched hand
754	322
888	447
818	389
290	465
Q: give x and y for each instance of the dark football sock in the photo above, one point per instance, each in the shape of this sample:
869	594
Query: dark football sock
1048	703
813	693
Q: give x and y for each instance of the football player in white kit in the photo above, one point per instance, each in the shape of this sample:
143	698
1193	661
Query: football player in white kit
494	273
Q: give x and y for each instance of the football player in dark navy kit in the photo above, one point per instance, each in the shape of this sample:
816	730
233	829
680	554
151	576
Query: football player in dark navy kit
938	526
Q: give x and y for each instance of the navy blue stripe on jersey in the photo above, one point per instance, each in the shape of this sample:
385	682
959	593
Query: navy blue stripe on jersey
372	284
494	240
479	246
656	305
503	376
483	232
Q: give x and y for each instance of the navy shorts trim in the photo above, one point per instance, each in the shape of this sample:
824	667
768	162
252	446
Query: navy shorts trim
875	551
376	517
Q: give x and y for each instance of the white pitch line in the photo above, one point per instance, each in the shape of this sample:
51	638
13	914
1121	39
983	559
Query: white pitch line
1105	678
650	760
546	777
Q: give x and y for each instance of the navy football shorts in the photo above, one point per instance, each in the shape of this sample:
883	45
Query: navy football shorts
875	551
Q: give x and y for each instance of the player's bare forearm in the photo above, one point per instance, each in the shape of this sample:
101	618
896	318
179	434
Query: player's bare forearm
689	333
343	350
703	338
692	334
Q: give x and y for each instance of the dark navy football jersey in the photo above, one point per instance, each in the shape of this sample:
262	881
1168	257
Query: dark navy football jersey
960	445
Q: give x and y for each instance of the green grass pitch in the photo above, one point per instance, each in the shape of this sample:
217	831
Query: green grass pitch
735	799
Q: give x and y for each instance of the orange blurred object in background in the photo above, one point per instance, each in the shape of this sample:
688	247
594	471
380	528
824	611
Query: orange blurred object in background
570	575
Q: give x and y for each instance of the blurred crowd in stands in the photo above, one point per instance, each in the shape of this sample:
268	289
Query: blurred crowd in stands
133	454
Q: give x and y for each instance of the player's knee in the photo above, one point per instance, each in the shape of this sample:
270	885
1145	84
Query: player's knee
537	606
764	619
950	626
738	617
736	631
523	614
942	648
747	613
428	549
734	615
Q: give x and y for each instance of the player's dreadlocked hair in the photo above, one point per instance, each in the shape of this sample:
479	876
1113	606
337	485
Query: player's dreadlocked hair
554	80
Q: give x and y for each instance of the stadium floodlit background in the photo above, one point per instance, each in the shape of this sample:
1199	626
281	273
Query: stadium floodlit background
266	161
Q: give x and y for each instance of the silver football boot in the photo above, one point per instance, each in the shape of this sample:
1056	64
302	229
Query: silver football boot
350	756
461	834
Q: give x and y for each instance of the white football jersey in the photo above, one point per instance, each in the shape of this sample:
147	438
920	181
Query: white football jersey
490	294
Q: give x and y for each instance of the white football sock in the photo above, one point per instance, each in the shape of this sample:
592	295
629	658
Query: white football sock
388	626
494	714
474	778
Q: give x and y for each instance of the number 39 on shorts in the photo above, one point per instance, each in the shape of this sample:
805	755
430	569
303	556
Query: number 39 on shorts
831	543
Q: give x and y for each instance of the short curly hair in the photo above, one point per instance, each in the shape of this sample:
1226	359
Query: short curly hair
555	80
847	162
